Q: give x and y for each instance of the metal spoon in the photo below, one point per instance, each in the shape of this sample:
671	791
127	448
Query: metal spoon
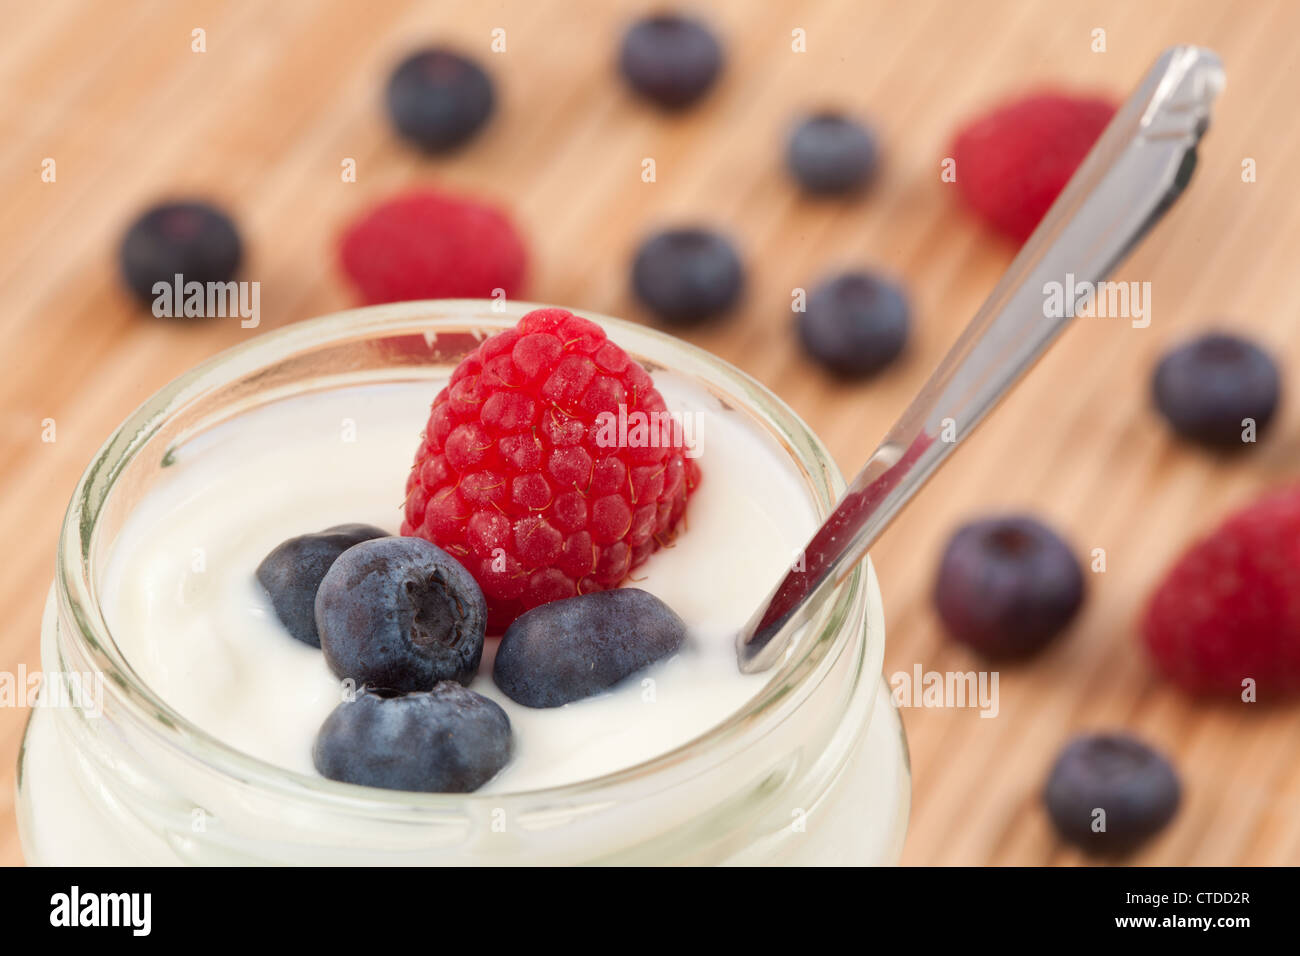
1135	172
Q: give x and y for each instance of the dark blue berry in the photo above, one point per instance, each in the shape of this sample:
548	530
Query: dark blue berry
670	60
444	740
686	276
1134	786
192	239
1007	586
292	573
855	324
1208	387
571	649
439	99
830	154
400	613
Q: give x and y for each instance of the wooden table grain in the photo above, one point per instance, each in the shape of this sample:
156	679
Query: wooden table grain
284	92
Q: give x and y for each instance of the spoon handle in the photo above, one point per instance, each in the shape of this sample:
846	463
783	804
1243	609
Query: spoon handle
1134	173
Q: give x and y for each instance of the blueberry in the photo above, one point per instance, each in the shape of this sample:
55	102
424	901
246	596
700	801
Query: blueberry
439	99
670	59
400	613
687	275
1134	785
830	154
570	649
855	324
292	572
1007	586
192	239
444	740
1208	386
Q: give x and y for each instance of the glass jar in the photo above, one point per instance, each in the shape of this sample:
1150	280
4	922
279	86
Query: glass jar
812	770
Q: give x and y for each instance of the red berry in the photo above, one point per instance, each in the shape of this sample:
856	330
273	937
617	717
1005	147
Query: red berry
1013	162
1229	609
430	245
516	475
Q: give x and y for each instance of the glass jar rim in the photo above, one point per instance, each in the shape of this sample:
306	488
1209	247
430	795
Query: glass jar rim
77	589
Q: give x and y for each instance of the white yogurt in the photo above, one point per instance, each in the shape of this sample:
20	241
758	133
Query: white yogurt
181	600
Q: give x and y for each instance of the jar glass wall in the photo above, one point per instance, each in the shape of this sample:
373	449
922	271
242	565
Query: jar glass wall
812	769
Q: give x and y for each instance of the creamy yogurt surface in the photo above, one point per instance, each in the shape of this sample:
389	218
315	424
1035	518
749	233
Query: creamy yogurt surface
181	599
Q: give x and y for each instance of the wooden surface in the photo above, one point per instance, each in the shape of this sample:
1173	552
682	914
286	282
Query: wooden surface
287	90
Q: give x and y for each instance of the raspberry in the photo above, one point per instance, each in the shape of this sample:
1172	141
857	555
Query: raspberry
1229	609
517	478
1013	162
430	245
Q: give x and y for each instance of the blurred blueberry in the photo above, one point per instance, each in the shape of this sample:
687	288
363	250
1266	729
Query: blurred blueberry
855	324
1007	586
1206	388
670	59
189	238
1135	788
687	276
831	154
439	99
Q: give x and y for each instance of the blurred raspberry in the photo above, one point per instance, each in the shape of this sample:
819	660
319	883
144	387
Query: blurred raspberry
431	245
1013	162
1229	609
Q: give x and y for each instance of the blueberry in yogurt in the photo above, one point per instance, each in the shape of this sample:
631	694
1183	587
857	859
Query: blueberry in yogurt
444	740
400	613
574	648
292	572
